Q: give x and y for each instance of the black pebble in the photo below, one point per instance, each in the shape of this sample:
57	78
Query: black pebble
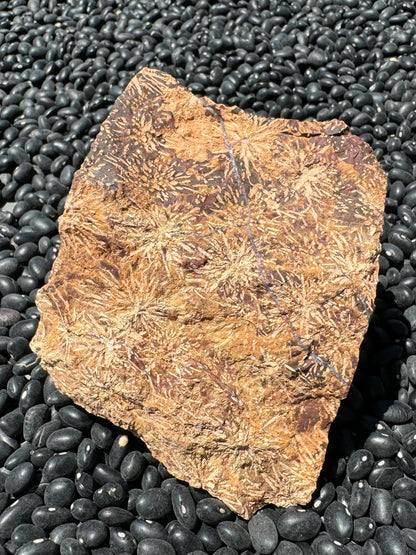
19	478
382	444
61	464
405	488
132	466
75	417
84	509
153	504
110	493
64	439
359	464
8	317
409	536
209	537
122	541
385	472
50	517
8	266
364	529
103	473
24	328
381	507
43	225
84	483
404	513
394	412
212	511
184	540
7	285
151	478
115	516
92	533
59	492
12	423
263	533
34	418
39	456
338	522
119	448
31	395
390	538
86	454
360	498
143	528
101	435
184	506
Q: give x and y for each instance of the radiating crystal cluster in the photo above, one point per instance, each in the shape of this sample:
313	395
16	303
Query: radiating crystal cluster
214	283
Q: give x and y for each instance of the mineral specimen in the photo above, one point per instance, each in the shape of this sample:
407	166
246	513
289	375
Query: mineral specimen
213	286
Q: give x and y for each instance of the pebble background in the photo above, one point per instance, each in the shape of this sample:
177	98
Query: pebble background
73	484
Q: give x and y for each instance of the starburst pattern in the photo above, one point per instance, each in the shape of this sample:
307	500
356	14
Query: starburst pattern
210	289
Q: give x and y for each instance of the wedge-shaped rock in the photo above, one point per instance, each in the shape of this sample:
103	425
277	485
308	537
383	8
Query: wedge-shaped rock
213	286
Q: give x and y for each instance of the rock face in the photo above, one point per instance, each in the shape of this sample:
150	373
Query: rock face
213	286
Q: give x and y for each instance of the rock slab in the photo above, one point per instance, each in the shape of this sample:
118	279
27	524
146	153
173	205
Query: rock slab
213	286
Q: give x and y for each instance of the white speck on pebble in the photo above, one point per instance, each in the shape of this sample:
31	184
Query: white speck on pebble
360	484
121	534
317	503
370	525
183	509
400	455
222	510
364	458
24	394
51	509
336	542
381	463
301	510
347	511
78	475
39	540
123	441
88	448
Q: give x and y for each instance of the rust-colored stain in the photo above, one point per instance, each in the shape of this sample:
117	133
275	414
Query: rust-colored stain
213	286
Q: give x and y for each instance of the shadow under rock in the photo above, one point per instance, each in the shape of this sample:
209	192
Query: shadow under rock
379	382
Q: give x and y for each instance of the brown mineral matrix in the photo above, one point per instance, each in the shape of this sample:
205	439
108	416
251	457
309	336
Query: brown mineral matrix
213	286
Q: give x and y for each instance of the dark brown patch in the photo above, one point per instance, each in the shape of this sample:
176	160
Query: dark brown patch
307	415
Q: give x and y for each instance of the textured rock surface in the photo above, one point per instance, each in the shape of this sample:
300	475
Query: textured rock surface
213	286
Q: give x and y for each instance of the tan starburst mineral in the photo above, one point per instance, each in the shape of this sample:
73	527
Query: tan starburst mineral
213	286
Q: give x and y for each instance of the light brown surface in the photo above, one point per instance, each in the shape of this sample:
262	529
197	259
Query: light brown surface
213	286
